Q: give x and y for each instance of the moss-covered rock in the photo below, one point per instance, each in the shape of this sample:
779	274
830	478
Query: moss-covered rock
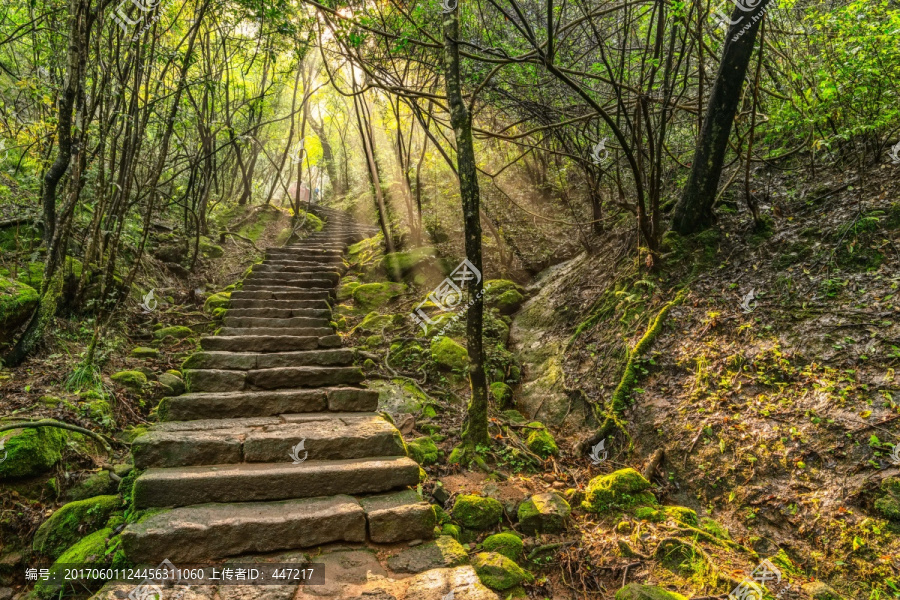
376	323
17	302
217	300
71	522
715	528
443	552
502	393
620	489
179	332
682	514
402	263
544	513
540	441
476	512
649	513
30	452
91	551
888	505
818	590
448	354
133	380
210	250
514	416
452	530
370	296
636	591
498	572
345	290
98	484
509	302
423	450
172	385
144	352
507	544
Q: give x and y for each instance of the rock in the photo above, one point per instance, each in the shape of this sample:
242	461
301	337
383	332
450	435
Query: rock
30	452
818	590
369	296
423	451
87	553
98	484
443	552
452	530
133	380
375	323
889	503
509	302
574	496
174	384
498	572
210	250
507	544
514	416
620	489
179	332
477	512
17	302
71	522
636	591
144	352
448	354
540	441
440	493
217	300
502	393
683	514
398	517
544	513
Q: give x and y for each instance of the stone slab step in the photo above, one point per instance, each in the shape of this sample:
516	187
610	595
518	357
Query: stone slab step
293	277
231	441
247	361
298	327
303	250
208	532
246	482
280	313
220	380
398	517
268	343
266	403
260	287
271	303
267	331
270	283
297	268
300	261
281	296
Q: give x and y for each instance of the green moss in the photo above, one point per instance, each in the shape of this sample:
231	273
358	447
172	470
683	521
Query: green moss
179	332
509	302
144	352
476	512
497	287
507	544
514	416
448	354
502	393
210	250
540	441
713	527
648	513
345	290
72	521
451	530
89	552
30	452
17	302
622	488
423	451
888	505
498	572
133	380
637	591
400	264
218	300
370	296
544	513
375	323
683	514
313	223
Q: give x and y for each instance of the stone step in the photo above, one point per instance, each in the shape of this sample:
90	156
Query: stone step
330	276
268	331
296	250
275	289
297	268
208	532
221	380
282	296
271	283
266	403
280	313
246	482
300	325
268	343
270	303
248	361
231	441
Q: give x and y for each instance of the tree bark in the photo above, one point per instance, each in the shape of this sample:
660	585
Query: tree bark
476	427
694	210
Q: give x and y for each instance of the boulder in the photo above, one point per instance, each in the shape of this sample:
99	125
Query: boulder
217	300
30	452
476	512
71	522
544	513
87	553
507	544
423	450
498	572
172	384
144	352
502	393
448	354
443	552
17	302
370	296
179	332
133	380
620	489
540	441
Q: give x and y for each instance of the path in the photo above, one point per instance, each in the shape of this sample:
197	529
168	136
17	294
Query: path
277	446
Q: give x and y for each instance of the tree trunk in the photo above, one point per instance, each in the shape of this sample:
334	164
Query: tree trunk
694	210
328	157
476	427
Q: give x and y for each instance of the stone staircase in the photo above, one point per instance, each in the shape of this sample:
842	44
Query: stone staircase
276	446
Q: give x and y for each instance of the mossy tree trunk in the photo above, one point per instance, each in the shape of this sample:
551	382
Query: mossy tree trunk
694	211
476	427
